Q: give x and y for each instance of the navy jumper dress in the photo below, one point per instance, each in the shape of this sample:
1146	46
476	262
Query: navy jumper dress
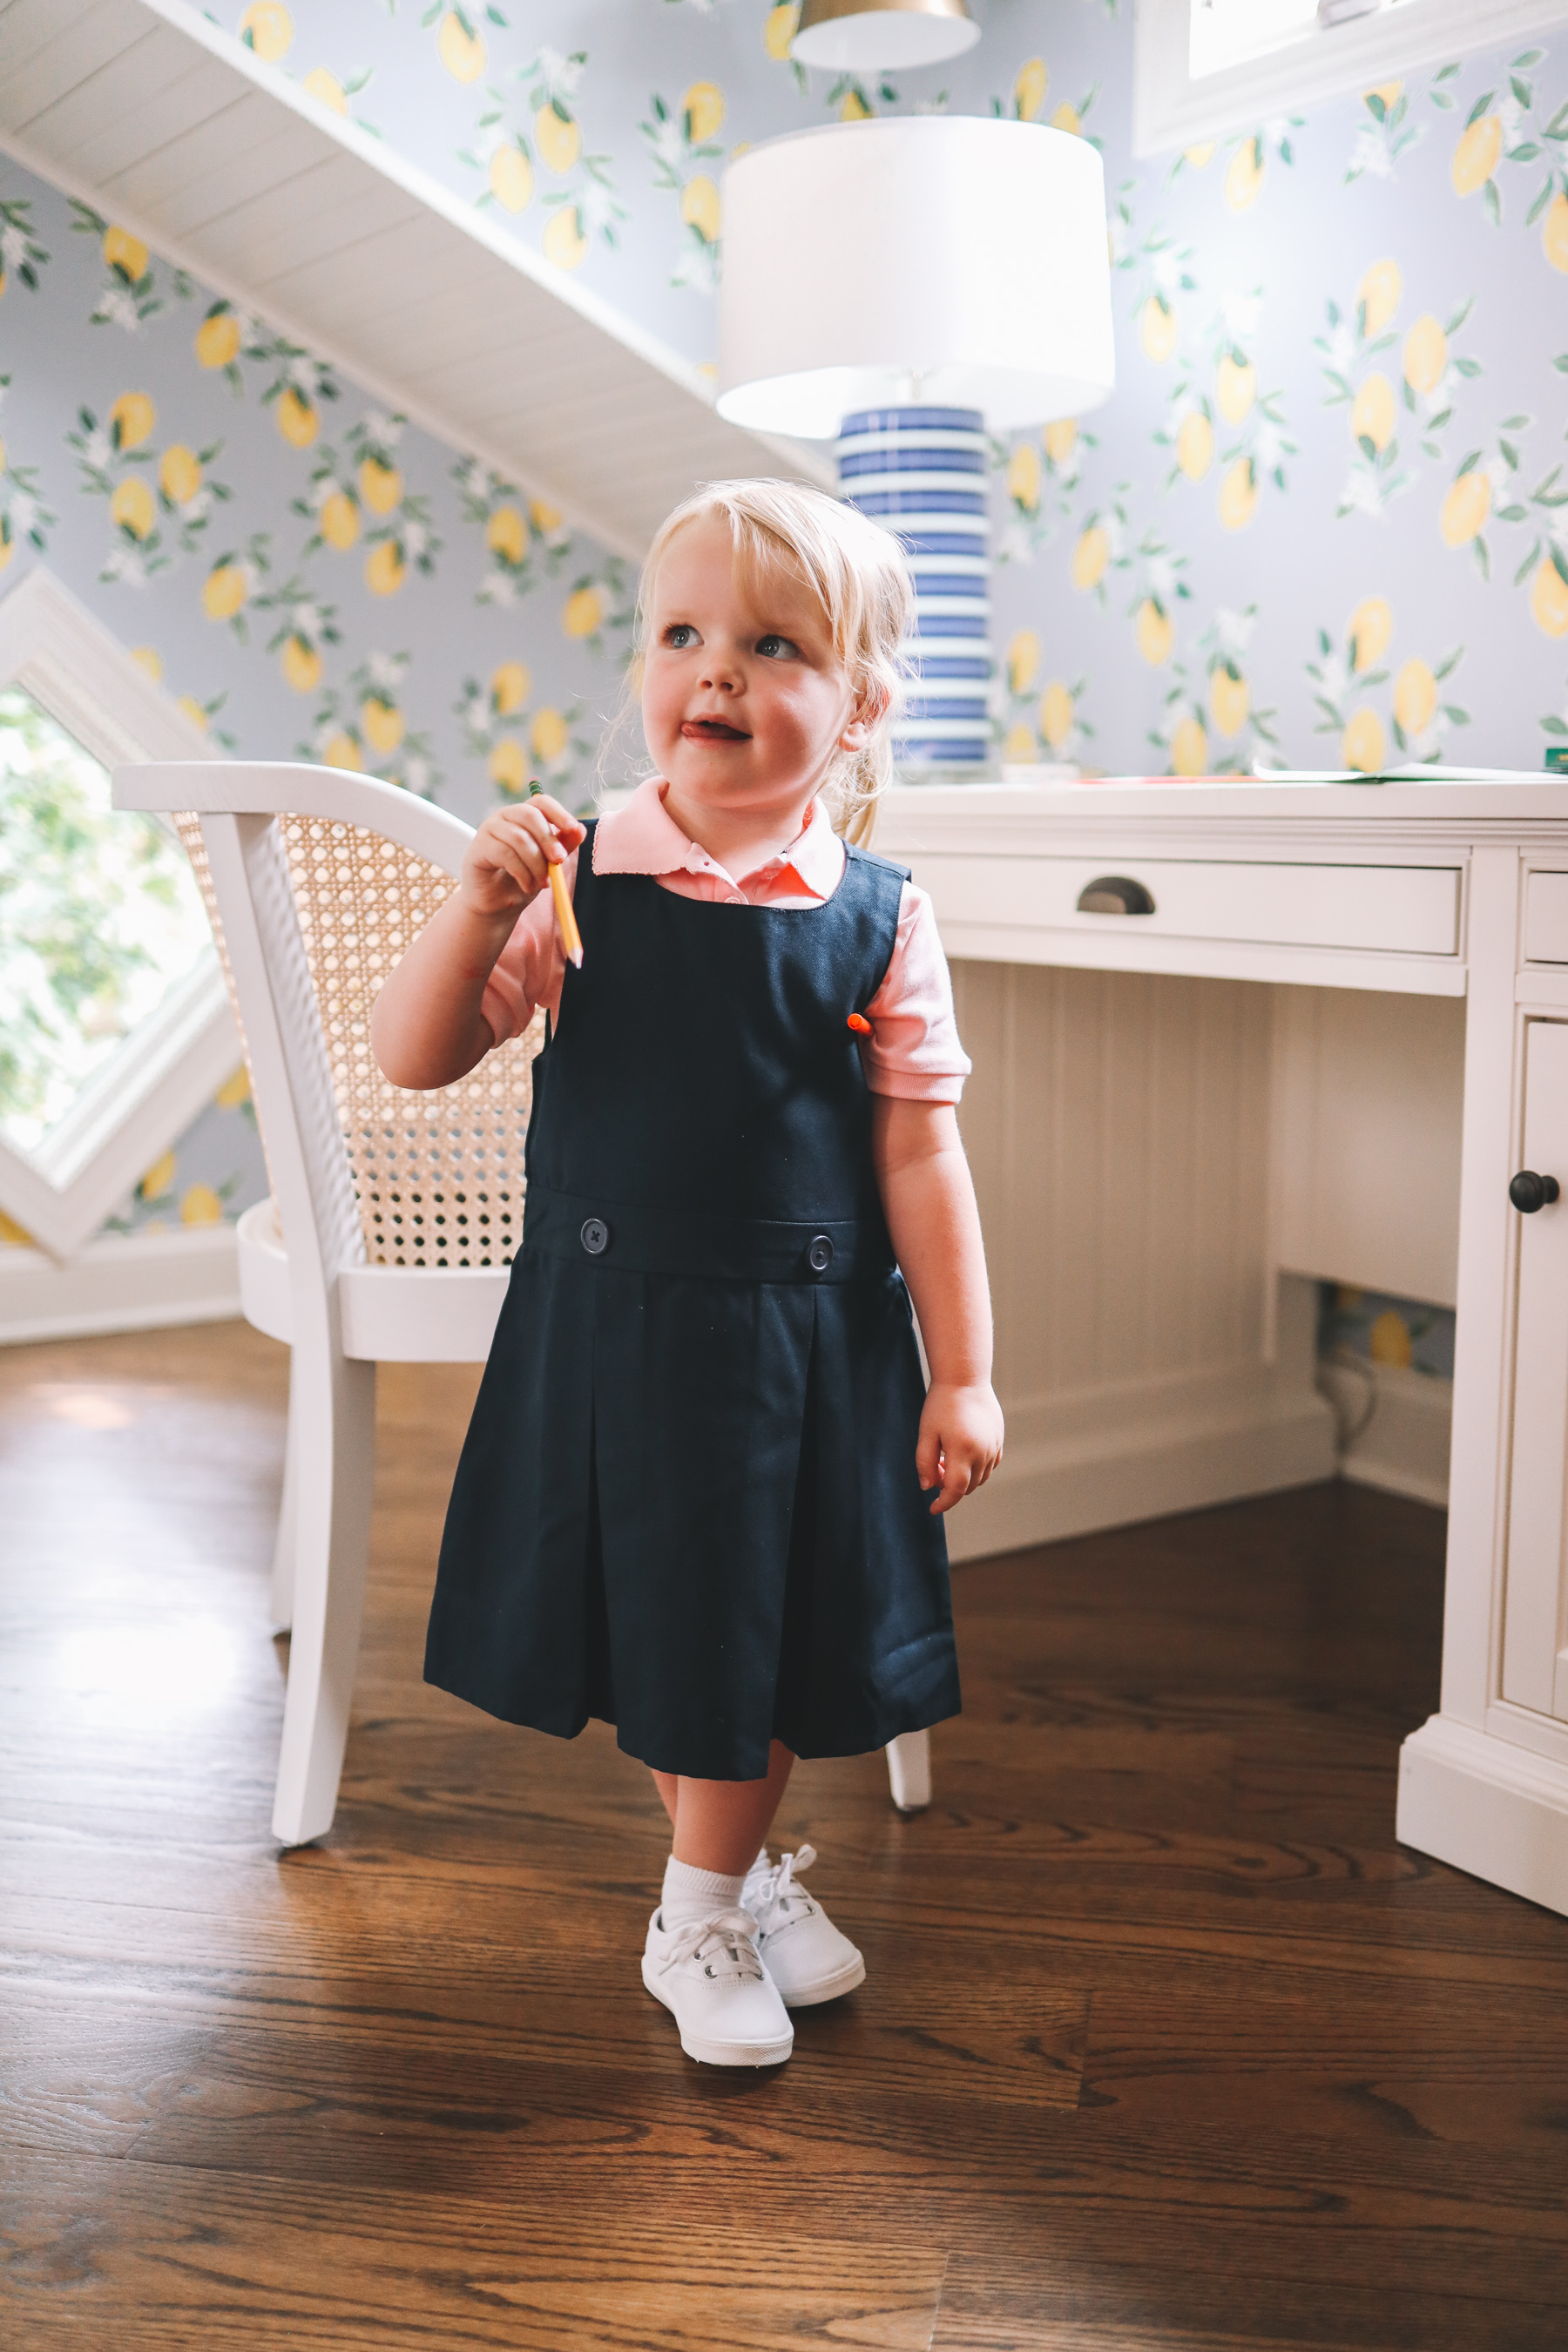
688	1503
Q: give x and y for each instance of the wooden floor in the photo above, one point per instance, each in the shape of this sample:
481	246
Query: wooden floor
1165	2042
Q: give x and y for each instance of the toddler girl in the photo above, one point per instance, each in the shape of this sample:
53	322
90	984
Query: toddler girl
696	1497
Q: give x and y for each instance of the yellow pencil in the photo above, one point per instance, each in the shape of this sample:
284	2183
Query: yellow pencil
565	914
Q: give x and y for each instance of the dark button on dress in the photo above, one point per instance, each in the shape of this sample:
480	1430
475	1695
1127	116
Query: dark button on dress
688	1503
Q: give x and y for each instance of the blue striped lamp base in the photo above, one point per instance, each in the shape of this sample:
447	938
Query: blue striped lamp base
920	472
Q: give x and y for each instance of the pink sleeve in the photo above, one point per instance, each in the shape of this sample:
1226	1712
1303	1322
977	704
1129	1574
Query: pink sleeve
528	970
913	1051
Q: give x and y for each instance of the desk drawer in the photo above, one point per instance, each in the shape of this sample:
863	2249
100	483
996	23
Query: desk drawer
1546	918
1391	909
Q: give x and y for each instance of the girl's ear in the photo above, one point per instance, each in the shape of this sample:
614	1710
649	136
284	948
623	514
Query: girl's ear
869	710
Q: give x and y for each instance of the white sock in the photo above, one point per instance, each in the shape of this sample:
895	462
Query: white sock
691	1893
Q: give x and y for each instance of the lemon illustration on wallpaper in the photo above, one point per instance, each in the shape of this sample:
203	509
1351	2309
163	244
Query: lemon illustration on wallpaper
1067	118
217	340
1554	232
223	592
508	768
544	517
385	568
1190	748
854	108
583	612
510	683
1475	156
338	520
1059	439
269	29
1230	699
300	665
1415	698
511	178
382	723
340	750
1022	660
381	486
1378	297
193	712
548	735
1426	354
235	1089
297	420
1362	745
1236	388
148	658
125	254
1465	509
132	509
1154	632
159	1178
701	207
558	138
565	243
1200	157
179	474
1024	476
1019	748
1244	176
1058	711
1029	90
1089	557
460	49
506	534
704	110
1238	495
326	90
1158	328
779	29
1549	595
1369	629
1194	445
131	420
1374	412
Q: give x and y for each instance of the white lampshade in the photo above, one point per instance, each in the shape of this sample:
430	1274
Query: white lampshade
952	259
882	35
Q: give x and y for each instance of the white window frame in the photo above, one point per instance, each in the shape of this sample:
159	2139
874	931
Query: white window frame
1170	109
152	1086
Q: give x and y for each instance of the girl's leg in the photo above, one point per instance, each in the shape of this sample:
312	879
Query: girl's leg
719	1824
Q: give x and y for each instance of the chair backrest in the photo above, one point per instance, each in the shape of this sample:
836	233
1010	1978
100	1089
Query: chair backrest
329	878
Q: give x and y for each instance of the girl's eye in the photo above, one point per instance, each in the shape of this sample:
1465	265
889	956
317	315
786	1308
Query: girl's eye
679	636
772	648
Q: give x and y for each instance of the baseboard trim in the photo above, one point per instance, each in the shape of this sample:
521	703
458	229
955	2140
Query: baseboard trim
1483	1806
1404	1447
121	1282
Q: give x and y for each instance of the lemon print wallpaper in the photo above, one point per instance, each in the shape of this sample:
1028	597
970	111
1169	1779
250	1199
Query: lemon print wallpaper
1324	522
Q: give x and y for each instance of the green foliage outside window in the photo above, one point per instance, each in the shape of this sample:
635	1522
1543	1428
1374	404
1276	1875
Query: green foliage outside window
100	915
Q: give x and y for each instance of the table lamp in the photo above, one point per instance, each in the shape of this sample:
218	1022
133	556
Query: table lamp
901	285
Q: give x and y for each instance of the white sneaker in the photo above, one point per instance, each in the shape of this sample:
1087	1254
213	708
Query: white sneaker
710	1978
802	1951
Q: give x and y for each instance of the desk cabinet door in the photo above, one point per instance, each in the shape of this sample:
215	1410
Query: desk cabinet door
1535	1660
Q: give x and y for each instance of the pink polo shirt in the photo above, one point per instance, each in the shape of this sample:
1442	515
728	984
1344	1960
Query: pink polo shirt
913	1050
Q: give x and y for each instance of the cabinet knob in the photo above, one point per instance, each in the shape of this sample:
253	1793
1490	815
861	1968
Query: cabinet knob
1529	1192
1114	894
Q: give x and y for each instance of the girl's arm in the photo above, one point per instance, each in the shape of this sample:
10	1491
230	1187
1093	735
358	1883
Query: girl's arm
927	1199
426	1028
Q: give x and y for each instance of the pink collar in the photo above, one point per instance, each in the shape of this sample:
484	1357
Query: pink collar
643	838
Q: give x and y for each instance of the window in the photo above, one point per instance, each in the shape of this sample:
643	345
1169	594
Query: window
1206	67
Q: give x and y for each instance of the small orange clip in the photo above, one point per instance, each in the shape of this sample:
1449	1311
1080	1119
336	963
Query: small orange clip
861	1026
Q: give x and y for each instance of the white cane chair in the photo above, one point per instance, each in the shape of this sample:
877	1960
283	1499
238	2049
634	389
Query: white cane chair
393	1216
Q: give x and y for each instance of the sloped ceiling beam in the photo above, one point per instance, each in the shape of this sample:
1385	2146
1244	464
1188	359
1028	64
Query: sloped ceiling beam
173	129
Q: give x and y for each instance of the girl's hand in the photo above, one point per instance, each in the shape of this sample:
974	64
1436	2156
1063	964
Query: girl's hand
959	1441
508	862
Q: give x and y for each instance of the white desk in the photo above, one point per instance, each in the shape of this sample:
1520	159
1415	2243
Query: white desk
1131	1129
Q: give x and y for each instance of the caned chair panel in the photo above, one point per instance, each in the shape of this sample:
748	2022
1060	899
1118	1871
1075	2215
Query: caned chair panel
438	1176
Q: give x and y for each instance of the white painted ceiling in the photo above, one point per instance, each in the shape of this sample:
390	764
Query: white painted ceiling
164	123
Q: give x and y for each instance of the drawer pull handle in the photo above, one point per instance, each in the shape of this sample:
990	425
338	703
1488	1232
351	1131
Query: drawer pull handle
1530	1192
1114	894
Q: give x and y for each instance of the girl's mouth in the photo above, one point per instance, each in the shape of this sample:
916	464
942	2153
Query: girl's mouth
713	731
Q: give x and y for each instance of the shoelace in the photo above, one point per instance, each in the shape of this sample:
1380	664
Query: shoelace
774	1892
727	1932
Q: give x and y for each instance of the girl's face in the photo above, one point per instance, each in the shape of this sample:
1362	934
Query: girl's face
744	700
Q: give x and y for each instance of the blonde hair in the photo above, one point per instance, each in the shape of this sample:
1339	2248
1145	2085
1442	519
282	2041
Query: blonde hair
858	573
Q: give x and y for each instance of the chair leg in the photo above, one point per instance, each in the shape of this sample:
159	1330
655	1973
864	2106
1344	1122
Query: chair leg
287	1543
909	1770
332	1413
